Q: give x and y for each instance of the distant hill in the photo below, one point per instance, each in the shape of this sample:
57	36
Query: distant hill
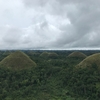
17	60
51	55
44	54
90	61
77	54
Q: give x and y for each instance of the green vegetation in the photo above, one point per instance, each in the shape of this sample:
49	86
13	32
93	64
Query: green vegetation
77	54
53	55
44	54
90	60
17	60
47	55
6	53
52	79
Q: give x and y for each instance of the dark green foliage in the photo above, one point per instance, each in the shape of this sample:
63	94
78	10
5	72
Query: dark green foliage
83	82
52	79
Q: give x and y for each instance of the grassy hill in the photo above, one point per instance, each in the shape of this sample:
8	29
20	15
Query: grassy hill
49	55
77	55
44	54
90	61
53	55
17	60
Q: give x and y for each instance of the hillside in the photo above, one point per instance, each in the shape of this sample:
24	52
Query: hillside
17	60
77	55
90	61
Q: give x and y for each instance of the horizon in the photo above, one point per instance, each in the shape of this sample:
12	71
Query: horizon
50	49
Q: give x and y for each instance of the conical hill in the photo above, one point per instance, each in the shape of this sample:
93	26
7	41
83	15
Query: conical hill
77	54
49	55
53	55
44	54
93	60
17	60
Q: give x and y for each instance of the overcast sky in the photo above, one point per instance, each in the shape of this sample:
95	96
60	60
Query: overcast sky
49	24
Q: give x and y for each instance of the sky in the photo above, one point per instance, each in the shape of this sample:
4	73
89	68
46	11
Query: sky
49	24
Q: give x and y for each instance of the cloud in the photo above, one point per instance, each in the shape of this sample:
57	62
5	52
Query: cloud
49	24
32	37
84	20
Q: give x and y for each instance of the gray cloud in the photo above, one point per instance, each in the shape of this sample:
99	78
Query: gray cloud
83	22
49	24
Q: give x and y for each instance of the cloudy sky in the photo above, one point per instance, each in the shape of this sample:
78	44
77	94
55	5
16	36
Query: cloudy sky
49	24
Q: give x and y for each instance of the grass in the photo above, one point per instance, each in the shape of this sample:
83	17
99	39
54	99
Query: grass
44	54
53	55
17	60
77	54
90	60
49	55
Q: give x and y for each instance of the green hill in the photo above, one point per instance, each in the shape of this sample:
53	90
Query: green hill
77	54
44	54
49	55
53	55
90	61
17	60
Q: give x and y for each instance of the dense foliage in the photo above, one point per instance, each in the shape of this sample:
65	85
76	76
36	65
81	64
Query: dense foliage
52	79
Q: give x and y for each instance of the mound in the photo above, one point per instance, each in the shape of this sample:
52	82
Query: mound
17	60
53	55
49	55
90	61
44	54
77	55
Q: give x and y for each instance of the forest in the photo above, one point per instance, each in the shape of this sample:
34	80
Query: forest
54	75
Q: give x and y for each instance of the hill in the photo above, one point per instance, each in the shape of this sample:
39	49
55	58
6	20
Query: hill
49	54
53	55
90	61
17	60
77	55
44	54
